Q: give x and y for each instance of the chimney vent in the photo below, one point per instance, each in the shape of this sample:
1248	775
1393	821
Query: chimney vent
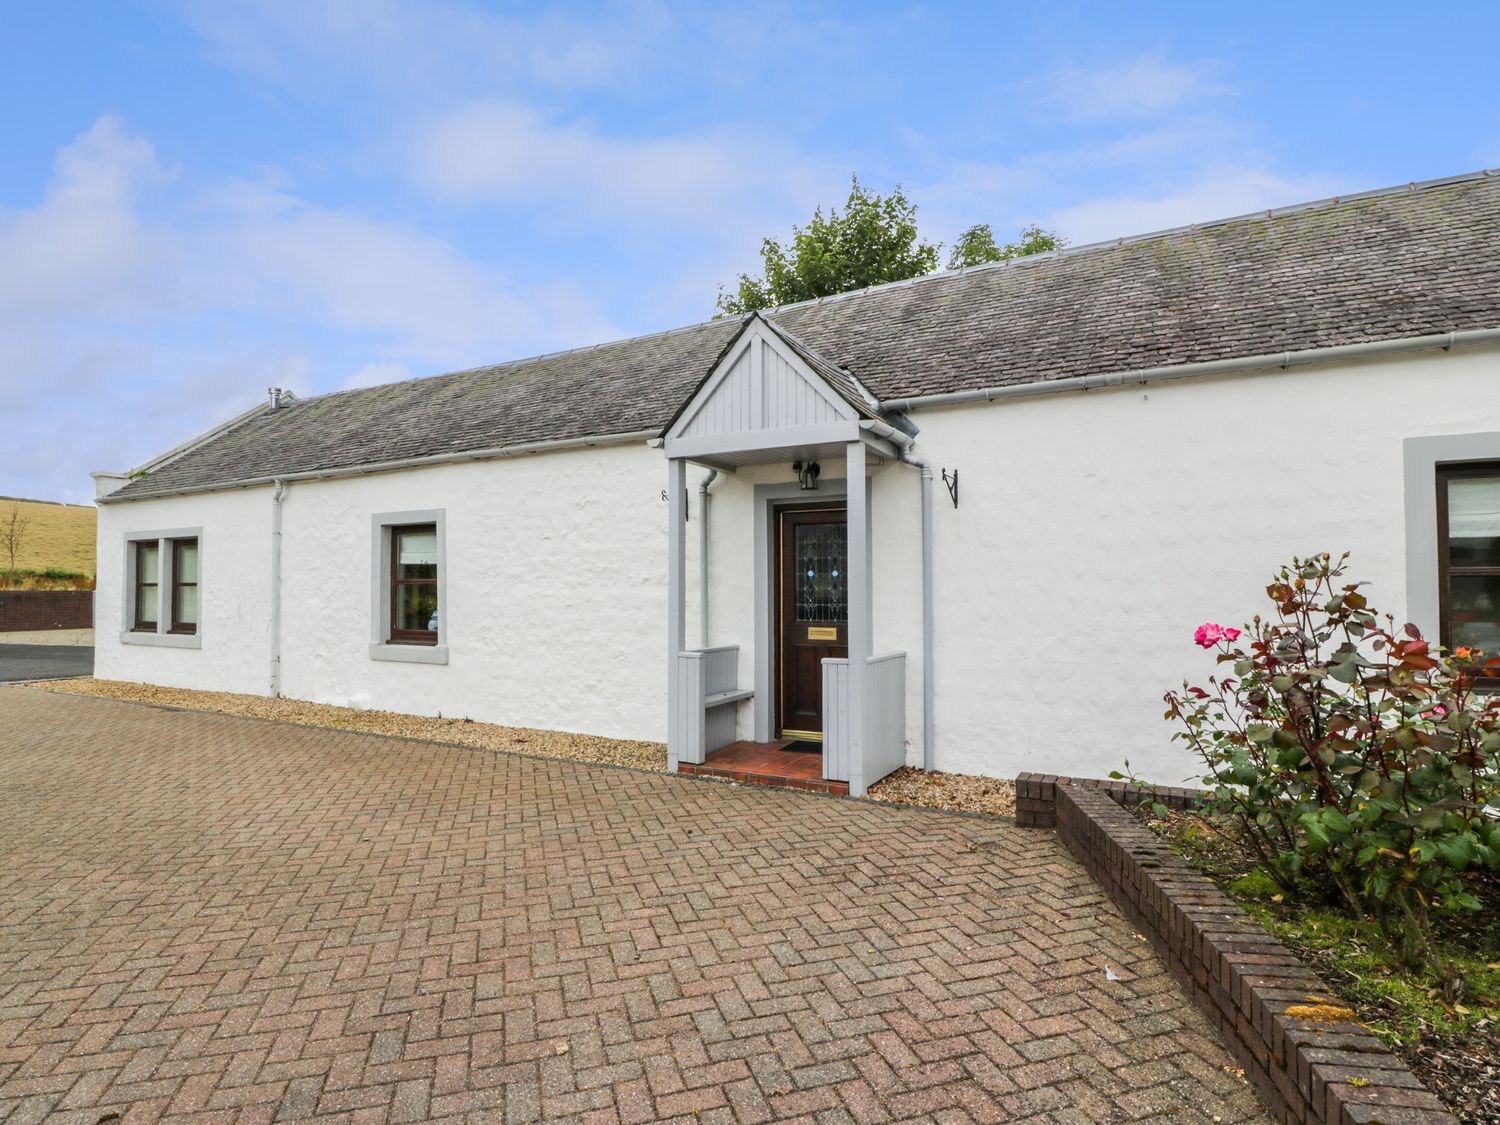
278	395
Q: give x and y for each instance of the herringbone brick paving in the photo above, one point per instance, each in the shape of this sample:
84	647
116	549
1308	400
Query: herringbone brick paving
214	919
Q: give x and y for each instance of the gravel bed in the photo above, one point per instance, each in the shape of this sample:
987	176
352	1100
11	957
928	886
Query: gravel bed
463	732
955	792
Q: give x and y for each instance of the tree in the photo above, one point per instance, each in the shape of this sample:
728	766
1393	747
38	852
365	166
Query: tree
977	245
13	528
872	241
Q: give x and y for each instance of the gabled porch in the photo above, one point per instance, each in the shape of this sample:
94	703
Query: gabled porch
813	675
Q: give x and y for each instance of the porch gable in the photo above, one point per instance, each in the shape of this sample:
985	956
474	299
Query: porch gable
765	382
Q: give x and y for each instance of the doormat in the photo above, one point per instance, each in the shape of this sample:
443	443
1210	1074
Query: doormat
803	746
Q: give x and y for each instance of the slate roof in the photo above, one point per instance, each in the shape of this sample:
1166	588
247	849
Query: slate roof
1412	261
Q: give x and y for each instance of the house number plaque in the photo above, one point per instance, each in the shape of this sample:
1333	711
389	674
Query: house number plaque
822	633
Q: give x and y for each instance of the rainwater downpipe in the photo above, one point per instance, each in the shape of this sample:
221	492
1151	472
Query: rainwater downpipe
703	556
278	490
927	646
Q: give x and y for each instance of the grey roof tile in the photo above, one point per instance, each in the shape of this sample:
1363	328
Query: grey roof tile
1380	266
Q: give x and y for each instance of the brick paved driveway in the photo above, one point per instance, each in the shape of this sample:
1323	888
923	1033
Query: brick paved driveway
206	918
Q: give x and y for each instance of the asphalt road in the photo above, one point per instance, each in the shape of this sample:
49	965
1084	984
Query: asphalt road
44	662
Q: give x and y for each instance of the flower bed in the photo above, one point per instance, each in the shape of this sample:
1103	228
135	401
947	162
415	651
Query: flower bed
1301	1046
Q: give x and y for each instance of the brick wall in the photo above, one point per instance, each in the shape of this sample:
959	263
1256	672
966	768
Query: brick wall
26	610
1308	1065
1036	796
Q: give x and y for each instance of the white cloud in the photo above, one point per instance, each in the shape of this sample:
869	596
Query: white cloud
495	150
426	49
1142	87
84	246
415	292
130	334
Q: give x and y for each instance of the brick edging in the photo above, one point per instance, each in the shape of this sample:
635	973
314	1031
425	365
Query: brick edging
1036	796
1307	1068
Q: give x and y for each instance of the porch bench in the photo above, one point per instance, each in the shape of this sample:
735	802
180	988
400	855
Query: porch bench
733	695
708	686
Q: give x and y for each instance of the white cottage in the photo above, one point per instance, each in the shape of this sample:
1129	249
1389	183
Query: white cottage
967	522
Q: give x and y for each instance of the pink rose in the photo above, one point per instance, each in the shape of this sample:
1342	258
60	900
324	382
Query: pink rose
1208	634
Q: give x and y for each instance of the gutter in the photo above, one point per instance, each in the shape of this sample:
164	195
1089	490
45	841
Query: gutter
884	430
1243	364
928	679
277	494
402	463
703	556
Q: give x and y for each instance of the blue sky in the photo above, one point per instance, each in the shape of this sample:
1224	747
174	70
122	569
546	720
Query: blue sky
201	200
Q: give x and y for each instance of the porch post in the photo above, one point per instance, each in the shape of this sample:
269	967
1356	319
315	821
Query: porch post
676	602
861	633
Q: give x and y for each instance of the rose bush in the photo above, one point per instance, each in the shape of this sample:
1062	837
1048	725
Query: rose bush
1358	760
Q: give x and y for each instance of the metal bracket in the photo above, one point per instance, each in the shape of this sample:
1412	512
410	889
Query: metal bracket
952	483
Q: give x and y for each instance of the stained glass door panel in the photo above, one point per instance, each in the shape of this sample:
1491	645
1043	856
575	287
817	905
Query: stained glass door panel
812	612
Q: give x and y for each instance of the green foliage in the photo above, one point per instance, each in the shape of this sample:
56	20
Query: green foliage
1358	760
1397	1005
1130	778
872	241
977	245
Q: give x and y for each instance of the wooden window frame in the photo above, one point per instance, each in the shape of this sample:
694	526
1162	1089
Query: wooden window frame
138	623
411	636
182	629
1445	569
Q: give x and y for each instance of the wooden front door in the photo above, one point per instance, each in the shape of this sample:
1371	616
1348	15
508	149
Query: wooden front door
812	612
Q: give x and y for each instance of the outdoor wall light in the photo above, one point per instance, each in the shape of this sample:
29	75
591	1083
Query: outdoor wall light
807	475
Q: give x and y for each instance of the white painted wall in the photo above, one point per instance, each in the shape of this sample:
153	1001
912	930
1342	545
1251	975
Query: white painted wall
1094	533
554	600
234	579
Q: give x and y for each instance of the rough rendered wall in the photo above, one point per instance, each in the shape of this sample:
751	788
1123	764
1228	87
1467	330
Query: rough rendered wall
235	580
1095	531
555	595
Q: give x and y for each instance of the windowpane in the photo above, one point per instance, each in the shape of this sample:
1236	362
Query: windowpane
822	586
416	607
416	553
146	605
185	612
1475	611
187	560
1474	521
147	575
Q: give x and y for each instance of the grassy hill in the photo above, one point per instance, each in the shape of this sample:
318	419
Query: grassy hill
59	536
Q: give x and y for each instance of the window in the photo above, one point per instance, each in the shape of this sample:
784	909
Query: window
147	600
160	602
414	584
184	586
409	603
1468	511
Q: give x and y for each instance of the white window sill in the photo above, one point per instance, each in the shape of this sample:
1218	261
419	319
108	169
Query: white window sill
161	640
410	654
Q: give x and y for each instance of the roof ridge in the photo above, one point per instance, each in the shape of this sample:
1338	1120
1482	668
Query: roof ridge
1129	239
1025	261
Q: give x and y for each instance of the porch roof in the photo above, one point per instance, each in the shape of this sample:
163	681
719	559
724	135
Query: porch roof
1411	261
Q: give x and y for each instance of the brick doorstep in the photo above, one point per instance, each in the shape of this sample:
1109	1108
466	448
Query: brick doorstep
1242	978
